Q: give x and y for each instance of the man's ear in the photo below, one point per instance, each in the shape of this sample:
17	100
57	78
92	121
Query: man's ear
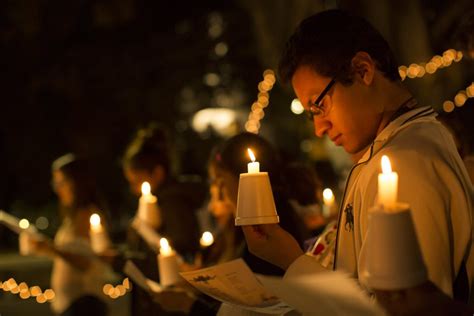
363	68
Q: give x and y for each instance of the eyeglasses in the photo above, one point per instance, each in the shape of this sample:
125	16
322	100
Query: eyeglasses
317	109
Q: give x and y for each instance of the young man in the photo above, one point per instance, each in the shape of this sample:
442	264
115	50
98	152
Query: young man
344	73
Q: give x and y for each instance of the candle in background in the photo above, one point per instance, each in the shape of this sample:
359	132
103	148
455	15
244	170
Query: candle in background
24	239
146	191
99	240
206	240
148	210
387	185
168	264
254	166
328	200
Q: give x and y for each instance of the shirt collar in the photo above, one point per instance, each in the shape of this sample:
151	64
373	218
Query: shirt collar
394	126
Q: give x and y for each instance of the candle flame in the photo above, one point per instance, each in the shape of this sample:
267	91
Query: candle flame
146	188
327	194
165	248
24	223
164	243
95	220
207	239
386	167
252	156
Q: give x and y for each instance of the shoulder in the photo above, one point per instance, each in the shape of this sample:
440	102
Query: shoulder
418	146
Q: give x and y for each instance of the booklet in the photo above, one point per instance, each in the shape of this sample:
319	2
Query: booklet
234	283
325	293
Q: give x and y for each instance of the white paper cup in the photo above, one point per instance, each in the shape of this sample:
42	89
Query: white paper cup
99	241
149	212
392	258
255	203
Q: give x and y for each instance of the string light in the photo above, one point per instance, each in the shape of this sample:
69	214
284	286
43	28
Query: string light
257	112
435	63
26	292
117	291
459	99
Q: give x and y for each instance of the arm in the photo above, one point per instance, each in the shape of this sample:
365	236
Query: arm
47	248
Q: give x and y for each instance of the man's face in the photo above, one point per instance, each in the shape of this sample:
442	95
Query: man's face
351	121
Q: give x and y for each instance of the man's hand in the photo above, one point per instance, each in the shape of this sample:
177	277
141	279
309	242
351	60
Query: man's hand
273	244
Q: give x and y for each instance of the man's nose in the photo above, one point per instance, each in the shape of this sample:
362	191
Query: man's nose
321	126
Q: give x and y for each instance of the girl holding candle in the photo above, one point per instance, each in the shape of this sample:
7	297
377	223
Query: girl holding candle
78	275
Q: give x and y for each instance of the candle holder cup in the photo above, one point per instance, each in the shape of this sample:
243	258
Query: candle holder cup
255	203
392	258
149	212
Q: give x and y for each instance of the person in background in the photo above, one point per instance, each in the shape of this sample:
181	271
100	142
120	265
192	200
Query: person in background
78	275
147	158
226	164
304	191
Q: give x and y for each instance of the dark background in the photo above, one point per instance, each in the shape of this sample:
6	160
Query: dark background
82	76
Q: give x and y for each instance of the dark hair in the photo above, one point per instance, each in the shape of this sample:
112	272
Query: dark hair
148	149
78	171
327	42
232	155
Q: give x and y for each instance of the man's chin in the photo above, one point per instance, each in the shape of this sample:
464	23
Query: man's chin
355	151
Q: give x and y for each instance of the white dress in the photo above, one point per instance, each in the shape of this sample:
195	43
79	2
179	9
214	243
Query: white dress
68	282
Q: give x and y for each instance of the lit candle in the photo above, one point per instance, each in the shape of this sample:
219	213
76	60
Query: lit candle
328	200
147	207
96	225
168	264
254	166
146	191
387	185
206	240
255	204
99	240
165	248
328	197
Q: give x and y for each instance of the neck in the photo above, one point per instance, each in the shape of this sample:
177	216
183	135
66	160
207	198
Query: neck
394	96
